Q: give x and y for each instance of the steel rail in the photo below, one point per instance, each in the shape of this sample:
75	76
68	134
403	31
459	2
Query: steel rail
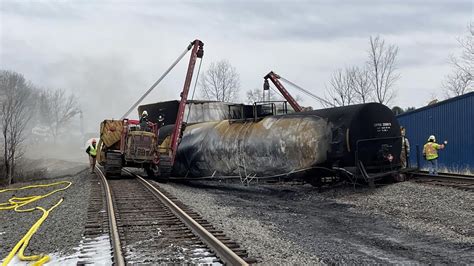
446	175
221	250
117	248
463	182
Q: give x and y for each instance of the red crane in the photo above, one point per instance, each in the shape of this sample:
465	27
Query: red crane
275	79
197	52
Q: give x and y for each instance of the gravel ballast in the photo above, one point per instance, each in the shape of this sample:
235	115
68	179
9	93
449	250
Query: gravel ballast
61	231
443	212
261	239
286	224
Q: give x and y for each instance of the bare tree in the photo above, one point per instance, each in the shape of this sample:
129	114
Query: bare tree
15	113
374	81
255	95
221	82
397	110
341	90
457	83
465	62
460	80
382	69
363	90
57	109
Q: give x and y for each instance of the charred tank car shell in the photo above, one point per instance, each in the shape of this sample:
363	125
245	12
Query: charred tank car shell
273	145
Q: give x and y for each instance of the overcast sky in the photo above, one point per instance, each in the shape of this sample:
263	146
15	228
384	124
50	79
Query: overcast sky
109	52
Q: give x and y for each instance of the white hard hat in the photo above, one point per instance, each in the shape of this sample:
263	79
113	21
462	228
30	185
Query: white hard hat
145	113
432	137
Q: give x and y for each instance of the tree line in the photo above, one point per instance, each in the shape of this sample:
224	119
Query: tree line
24	106
372	81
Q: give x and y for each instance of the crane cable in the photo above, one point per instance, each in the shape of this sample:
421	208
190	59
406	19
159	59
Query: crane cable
158	81
16	204
277	93
194	89
307	92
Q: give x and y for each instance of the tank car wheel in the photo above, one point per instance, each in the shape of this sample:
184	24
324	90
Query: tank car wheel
162	179
314	181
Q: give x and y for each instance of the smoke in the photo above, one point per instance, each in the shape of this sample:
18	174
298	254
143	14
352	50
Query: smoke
104	86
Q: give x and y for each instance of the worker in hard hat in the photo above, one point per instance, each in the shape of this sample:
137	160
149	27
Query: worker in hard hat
430	152
405	154
144	120
92	151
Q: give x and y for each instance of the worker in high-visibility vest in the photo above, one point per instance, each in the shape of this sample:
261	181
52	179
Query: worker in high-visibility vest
92	151
430	152
144	121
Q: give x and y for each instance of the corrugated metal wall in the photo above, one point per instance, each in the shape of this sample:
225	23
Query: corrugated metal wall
451	120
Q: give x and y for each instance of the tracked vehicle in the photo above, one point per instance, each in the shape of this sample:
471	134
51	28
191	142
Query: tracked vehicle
123	143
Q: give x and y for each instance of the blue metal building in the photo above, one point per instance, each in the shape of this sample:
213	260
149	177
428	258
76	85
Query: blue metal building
451	120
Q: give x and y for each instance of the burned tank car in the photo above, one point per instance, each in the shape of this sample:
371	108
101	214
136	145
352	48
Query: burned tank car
368	133
270	146
314	142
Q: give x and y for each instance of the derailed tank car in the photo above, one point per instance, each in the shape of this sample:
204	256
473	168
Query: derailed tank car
352	141
273	145
365	139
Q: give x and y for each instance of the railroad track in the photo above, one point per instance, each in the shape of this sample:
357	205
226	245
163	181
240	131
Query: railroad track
148	226
459	181
95	243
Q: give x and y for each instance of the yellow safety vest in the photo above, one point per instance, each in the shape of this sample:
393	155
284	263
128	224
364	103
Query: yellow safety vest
431	150
92	150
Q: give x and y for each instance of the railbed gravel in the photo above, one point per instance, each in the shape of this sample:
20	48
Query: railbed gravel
261	240
444	212
61	231
287	223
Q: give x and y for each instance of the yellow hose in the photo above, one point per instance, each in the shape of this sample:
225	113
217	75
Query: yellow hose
16	203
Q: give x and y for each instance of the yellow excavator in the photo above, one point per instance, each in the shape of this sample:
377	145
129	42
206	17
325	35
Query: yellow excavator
126	143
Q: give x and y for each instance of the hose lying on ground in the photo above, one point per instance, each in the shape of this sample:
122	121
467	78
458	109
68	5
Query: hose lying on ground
16	204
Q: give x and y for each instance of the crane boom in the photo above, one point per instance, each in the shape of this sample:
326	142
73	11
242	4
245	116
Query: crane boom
197	52
275	79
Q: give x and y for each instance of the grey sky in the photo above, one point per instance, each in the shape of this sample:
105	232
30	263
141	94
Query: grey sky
109	52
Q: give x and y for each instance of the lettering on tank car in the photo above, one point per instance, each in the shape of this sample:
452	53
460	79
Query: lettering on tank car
383	127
